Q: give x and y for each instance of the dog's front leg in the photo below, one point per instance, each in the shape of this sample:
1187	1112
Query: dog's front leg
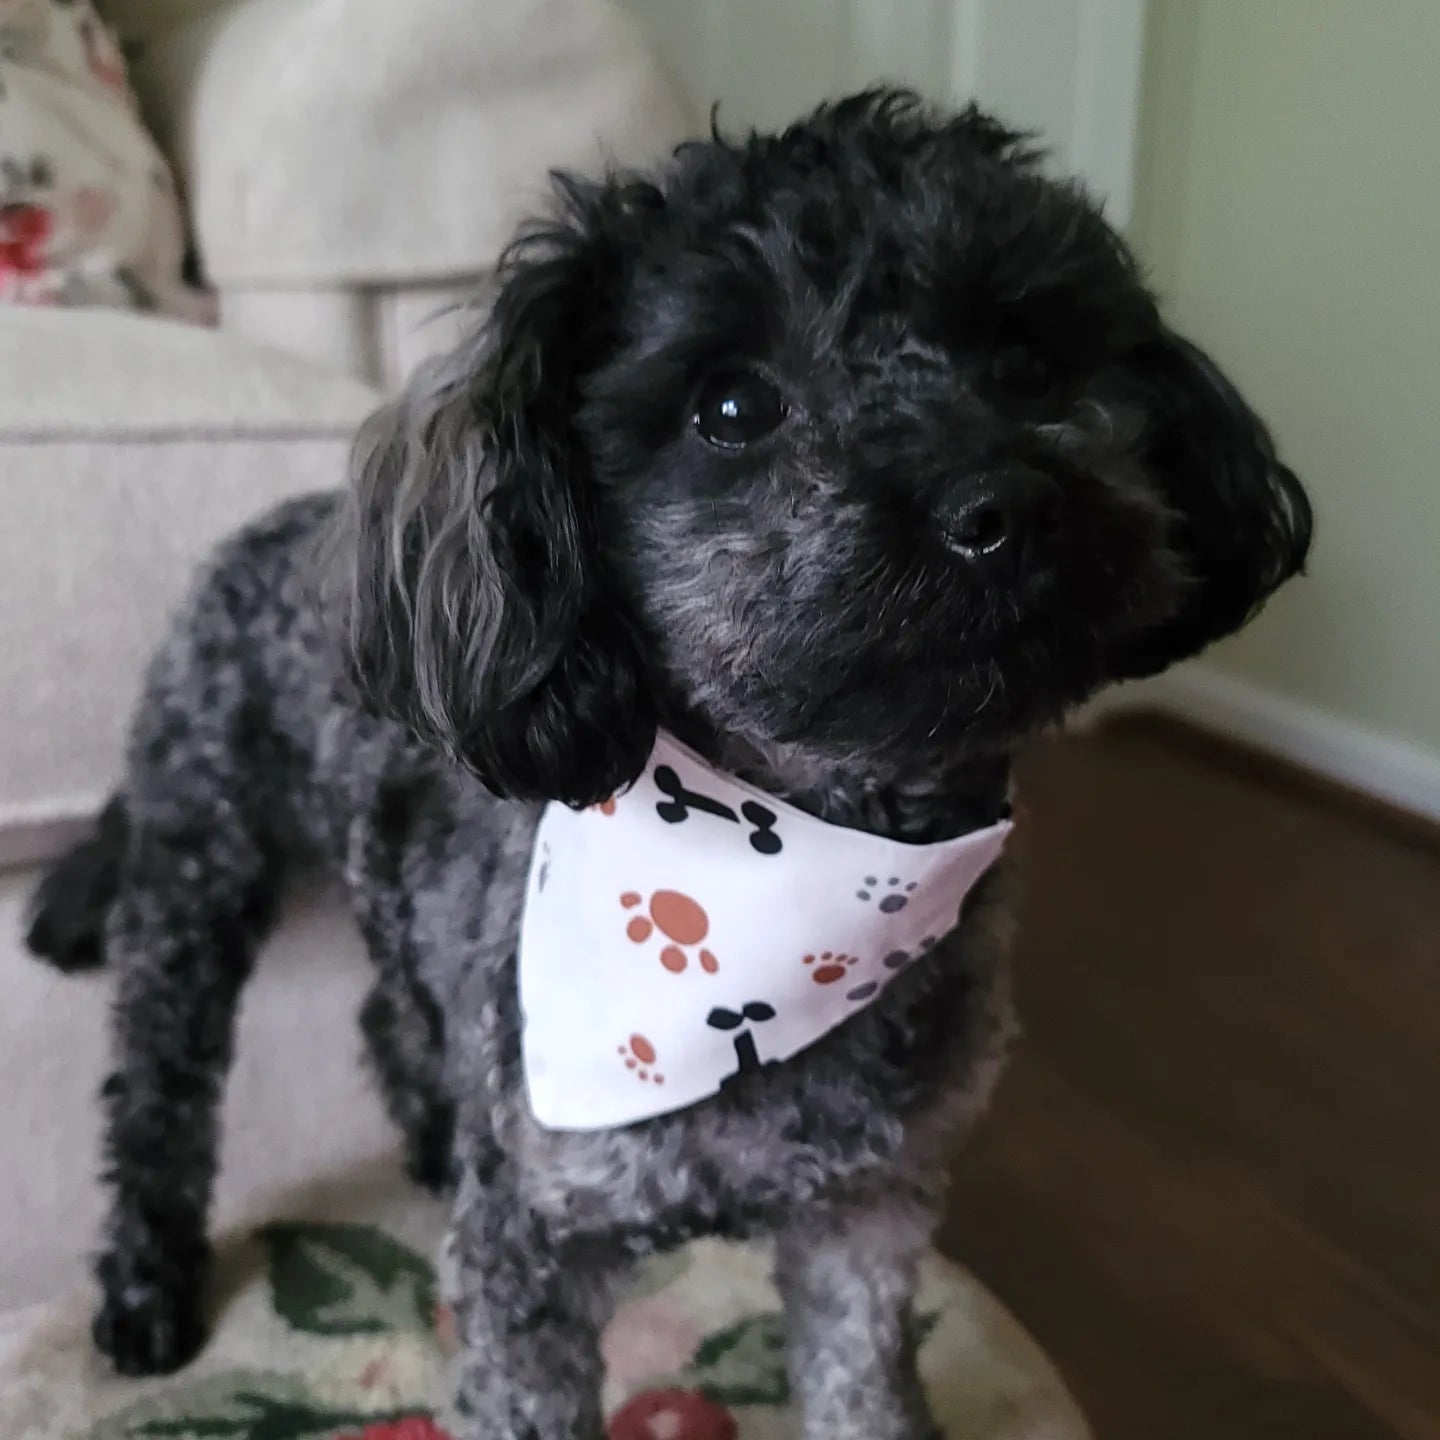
529	1312
848	1275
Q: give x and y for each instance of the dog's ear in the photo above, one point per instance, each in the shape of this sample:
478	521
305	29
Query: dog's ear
1241	521
467	585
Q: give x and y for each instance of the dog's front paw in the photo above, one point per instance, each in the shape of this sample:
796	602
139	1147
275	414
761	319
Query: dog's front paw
146	1326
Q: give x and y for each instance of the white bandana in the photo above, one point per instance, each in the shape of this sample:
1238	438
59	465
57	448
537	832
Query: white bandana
693	928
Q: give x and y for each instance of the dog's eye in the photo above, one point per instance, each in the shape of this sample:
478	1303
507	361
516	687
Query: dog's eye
737	407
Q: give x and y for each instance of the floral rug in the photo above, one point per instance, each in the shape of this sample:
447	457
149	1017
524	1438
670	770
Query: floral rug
328	1327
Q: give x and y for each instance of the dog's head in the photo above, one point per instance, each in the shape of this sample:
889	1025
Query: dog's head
864	439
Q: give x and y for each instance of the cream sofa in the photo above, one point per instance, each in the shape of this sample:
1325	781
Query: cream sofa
352	168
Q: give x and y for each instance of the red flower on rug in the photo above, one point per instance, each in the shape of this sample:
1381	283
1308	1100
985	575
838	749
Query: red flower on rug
414	1427
672	1415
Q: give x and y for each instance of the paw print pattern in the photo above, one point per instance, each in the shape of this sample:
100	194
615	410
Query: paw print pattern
892	900
899	959
640	1057
828	968
679	919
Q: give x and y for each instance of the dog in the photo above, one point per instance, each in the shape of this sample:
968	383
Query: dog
850	456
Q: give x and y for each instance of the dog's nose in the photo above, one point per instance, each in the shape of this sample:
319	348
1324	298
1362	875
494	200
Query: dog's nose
994	518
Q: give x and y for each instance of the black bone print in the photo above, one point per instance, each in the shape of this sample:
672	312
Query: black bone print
682	801
746	1055
764	839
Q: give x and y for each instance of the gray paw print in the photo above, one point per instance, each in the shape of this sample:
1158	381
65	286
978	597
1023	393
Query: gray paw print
899	959
895	898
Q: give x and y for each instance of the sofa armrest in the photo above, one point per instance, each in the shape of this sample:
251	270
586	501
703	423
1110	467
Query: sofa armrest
369	142
128	446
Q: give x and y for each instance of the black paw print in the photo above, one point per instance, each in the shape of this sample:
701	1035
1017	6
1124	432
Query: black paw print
894	898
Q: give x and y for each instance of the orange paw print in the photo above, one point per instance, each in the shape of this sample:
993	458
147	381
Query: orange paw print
829	967
639	1055
679	919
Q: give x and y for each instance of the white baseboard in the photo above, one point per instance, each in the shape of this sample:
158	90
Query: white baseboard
1396	771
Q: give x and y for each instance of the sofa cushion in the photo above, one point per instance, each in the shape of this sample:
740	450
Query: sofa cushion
128	446
376	142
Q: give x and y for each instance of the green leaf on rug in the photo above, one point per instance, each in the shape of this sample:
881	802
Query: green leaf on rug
243	1405
744	1364
333	1279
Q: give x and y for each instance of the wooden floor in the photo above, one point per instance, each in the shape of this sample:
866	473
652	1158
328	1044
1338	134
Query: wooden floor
1210	1185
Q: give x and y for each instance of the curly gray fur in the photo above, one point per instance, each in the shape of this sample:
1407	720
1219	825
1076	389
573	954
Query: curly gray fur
711	462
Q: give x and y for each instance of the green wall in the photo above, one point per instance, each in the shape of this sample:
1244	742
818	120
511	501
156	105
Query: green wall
1288	206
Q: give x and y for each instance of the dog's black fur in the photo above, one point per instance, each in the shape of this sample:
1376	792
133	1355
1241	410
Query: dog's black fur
914	343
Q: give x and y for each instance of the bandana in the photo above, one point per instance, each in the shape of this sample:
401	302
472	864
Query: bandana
694	929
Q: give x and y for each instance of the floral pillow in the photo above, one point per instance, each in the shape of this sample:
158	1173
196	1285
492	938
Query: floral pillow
88	210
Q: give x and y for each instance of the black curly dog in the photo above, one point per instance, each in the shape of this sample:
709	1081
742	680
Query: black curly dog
852	456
